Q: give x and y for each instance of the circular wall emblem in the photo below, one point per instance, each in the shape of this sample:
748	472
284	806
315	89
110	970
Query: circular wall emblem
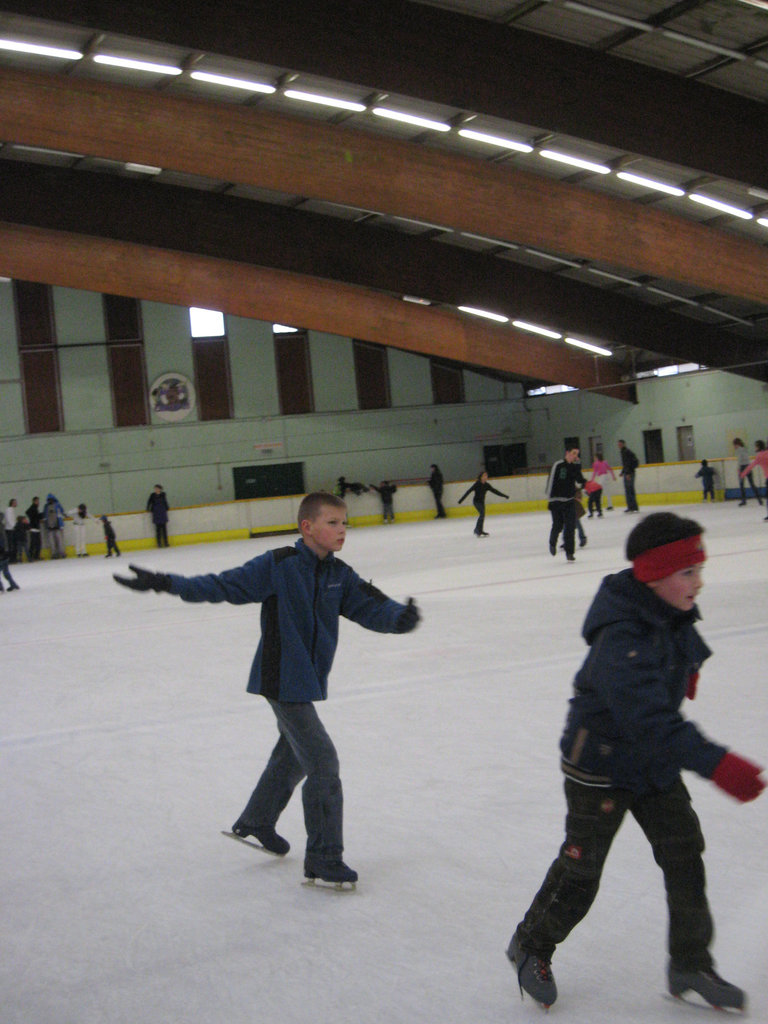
172	397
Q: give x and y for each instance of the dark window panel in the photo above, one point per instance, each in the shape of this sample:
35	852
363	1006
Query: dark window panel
447	384
372	376
40	384
34	314
294	379
212	378
122	317
129	385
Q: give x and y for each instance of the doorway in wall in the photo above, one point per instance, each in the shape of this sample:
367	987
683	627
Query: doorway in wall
654	448
686	448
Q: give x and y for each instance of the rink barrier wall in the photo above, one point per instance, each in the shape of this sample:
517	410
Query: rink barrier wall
657	484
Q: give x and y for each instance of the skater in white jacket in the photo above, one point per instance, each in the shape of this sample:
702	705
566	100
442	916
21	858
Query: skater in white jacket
79	517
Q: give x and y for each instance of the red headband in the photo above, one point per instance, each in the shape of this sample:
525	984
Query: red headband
656	563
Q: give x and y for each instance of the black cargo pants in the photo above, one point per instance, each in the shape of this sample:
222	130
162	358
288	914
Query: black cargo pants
593	818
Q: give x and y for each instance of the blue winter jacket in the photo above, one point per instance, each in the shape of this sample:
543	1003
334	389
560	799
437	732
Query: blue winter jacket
301	599
624	726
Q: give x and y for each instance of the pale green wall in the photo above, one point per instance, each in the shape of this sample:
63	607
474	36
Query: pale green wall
114	470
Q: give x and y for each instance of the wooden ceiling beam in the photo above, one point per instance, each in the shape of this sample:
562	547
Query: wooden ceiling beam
332	163
122	268
461	61
242	230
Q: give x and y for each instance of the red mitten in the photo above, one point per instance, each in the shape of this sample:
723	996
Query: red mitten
693	680
738	777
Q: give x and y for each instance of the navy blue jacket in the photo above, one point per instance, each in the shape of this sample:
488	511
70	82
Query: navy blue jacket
301	597
624	726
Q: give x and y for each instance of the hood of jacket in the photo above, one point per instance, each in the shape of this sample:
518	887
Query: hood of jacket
623	598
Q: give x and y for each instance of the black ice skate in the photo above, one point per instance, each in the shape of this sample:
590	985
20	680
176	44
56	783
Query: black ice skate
265	835
330	871
534	975
709	985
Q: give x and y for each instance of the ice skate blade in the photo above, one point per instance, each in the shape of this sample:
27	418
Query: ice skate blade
250	842
696	1002
318	883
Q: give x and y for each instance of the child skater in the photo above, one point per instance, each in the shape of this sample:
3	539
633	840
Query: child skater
109	537
707	476
79	518
386	490
302	591
478	490
594	494
624	746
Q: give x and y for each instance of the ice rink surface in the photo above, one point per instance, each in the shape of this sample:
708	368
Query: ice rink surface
128	742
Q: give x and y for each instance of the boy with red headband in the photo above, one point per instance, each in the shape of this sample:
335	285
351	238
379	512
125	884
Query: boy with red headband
624	746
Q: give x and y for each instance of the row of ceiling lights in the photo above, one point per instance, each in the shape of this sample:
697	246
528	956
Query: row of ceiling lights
417	121
395	115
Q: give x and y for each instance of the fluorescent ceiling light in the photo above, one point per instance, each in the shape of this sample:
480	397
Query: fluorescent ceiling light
763	221
702	45
594	12
496	140
564	158
284	329
136	65
233	83
734	211
485	314
326	101
41	51
419	122
659	186
553	258
671	295
417	300
589	347
614	277
143	168
535	329
491	241
47	152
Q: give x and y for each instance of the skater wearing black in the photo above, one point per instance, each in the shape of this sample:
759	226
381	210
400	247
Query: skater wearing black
564	479
157	506
624	746
386	490
303	590
435	483
629	464
707	476
4	570
478	490
109	537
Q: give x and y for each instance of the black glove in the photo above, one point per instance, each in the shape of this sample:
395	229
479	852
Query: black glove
408	619
145	580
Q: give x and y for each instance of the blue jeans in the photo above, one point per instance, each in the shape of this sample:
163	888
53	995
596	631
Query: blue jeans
303	751
629	492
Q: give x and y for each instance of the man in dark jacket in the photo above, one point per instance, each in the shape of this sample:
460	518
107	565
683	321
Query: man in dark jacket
629	464
302	591
623	748
564	477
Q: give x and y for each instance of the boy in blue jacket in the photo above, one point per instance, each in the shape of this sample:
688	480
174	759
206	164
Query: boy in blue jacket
302	591
623	748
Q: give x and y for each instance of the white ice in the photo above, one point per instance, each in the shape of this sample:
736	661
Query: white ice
128	743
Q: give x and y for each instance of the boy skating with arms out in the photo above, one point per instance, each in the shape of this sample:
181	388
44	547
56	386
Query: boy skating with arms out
302	591
624	746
